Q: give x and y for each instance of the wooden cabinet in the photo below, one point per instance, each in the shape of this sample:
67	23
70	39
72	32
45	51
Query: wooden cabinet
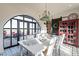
71	30
55	25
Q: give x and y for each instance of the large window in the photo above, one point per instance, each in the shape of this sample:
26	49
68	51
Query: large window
17	28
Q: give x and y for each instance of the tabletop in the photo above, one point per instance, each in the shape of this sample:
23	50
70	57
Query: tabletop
32	45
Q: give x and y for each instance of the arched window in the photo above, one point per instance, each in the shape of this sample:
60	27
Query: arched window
17	28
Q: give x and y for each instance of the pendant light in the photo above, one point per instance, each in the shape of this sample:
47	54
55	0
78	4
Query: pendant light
45	15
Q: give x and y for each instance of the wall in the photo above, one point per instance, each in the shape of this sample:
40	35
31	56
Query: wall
9	10
69	11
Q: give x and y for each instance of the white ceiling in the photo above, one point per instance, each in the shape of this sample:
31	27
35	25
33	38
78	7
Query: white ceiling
38	8
53	7
35	9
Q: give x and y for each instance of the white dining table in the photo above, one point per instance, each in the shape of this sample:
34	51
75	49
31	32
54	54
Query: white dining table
30	45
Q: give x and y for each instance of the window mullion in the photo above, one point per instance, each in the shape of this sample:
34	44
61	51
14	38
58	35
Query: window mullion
11	32
23	27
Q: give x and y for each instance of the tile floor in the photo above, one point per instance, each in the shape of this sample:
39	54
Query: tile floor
65	50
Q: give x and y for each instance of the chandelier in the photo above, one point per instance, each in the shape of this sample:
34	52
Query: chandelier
46	14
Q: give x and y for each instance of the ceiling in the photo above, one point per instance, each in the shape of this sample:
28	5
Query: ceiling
8	10
38	8
54	7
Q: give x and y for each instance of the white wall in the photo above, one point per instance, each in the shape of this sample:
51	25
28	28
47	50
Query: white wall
68	12
7	11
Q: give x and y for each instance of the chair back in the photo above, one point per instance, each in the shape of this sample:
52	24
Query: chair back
51	47
30	37
48	51
59	40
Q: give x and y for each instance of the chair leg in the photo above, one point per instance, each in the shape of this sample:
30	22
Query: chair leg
55	51
72	51
59	51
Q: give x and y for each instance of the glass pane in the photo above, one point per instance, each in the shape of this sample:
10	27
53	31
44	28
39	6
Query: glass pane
36	31
14	41
25	25
21	34
30	31
18	17
33	31
14	36
6	36
7	42
14	32
6	33
27	19
14	23
21	24
33	25
30	25
7	25
34	20
25	33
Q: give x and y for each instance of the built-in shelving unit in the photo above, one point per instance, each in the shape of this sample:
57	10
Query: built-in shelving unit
71	30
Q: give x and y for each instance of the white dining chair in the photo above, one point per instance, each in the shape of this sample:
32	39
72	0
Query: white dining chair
59	42
51	46
48	50
29	37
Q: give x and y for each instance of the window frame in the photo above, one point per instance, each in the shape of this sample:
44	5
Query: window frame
28	29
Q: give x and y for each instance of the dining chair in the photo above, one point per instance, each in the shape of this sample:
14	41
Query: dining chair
48	50
51	46
59	42
29	37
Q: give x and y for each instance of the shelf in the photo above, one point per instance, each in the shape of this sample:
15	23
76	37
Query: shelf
69	43
70	29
